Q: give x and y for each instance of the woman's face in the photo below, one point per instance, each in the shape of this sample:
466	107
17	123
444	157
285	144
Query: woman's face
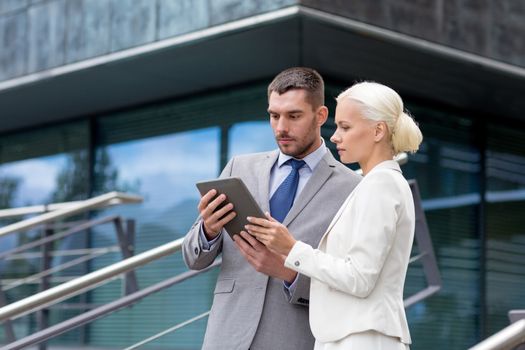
354	136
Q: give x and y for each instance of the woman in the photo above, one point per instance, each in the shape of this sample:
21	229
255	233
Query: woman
358	271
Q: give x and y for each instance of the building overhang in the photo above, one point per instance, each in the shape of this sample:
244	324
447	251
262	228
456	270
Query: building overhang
255	49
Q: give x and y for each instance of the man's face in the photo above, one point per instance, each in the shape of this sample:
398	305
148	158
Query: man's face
295	124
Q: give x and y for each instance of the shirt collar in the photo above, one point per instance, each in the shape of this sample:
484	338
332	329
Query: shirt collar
311	159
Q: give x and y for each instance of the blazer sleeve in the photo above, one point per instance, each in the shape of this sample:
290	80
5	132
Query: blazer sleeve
370	221
195	257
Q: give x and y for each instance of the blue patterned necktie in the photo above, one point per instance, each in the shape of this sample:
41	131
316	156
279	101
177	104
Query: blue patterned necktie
282	199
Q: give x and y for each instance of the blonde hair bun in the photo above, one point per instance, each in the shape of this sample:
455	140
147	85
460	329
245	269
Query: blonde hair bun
381	103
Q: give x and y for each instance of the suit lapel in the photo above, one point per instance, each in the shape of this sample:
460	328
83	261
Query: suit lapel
263	168
322	172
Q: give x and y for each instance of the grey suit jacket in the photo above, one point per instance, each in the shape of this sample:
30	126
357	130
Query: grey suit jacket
251	310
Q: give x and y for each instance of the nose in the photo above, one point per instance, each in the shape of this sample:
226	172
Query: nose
335	138
282	125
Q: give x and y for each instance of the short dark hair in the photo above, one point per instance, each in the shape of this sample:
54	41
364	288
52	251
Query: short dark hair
300	78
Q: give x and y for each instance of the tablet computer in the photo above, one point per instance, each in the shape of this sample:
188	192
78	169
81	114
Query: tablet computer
238	194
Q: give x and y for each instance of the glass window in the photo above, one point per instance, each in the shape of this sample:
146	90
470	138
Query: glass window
37	167
164	170
447	169
250	137
505	247
159	152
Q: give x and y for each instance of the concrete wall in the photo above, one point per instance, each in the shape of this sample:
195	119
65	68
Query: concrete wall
40	34
491	28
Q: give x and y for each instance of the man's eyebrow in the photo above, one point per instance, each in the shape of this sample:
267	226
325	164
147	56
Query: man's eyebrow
288	112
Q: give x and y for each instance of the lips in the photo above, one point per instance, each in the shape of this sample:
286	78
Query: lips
284	140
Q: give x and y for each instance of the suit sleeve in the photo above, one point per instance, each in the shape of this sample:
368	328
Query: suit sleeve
300	292
195	257
372	222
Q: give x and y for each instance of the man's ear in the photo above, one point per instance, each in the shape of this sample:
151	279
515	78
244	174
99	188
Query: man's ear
322	115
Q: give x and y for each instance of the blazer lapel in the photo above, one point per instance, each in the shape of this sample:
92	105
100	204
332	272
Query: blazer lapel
263	168
321	173
337	216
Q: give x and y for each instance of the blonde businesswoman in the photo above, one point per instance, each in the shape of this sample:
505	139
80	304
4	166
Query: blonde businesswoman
358	271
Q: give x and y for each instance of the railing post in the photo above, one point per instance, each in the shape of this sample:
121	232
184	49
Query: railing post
427	255
45	282
131	278
126	247
85	298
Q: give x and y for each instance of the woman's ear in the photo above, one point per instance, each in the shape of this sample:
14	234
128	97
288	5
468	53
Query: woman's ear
380	131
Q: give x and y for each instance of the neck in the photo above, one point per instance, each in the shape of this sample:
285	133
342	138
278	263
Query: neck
376	157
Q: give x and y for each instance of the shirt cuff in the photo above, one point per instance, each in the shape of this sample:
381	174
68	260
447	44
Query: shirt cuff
205	244
291	286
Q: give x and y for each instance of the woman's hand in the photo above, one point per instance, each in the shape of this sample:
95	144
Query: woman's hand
271	233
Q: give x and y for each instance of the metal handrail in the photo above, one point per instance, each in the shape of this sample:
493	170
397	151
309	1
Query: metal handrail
59	253
62	211
506	339
77	261
105	310
45	208
168	331
49	239
85	283
79	285
70	210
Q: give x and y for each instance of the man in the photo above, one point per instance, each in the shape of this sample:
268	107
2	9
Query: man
258	303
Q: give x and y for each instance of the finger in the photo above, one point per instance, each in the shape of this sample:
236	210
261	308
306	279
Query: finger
215	222
257	235
257	246
216	202
243	245
259	242
270	217
259	221
240	246
226	219
257	230
203	203
221	212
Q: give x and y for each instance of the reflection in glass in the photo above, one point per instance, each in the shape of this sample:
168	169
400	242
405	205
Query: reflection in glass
505	247
250	137
164	170
37	179
447	169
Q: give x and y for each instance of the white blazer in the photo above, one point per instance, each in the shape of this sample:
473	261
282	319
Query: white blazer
358	271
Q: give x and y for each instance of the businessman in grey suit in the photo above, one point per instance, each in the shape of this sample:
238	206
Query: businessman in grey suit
258	303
